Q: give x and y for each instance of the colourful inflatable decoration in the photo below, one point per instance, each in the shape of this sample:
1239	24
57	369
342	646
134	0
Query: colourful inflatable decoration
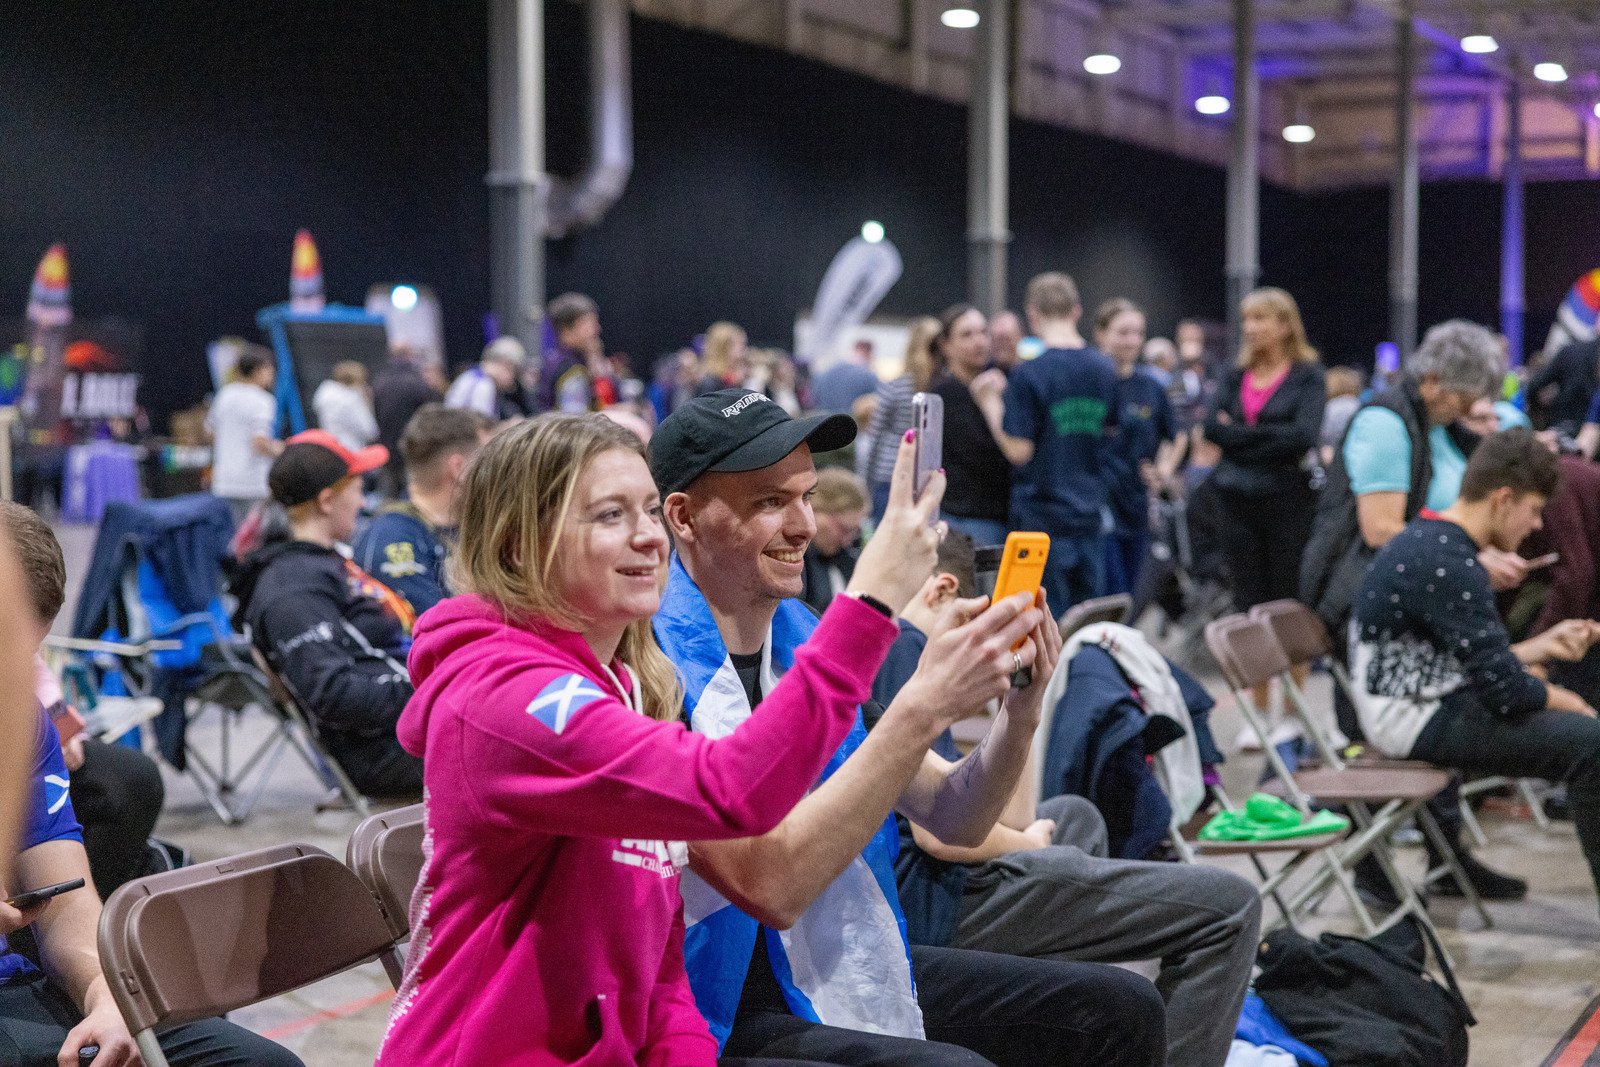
1580	310
50	301
305	275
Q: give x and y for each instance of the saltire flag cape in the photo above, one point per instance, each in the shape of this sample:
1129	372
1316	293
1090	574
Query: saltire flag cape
847	961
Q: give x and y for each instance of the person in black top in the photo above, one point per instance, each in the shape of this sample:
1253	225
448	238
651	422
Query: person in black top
1561	389
1437	676
977	499
398	392
332	631
1266	420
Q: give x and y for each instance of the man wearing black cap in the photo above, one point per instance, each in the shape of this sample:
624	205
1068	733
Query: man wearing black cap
795	945
330	629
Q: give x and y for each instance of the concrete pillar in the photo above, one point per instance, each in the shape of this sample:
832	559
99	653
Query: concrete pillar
1511	252
988	160
518	184
1403	192
1244	224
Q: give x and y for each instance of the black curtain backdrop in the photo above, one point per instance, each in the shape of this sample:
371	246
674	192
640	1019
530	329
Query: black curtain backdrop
176	146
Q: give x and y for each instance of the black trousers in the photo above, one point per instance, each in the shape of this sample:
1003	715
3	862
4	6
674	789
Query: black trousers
117	795
985	1008
1560	746
379	767
1263	538
35	1016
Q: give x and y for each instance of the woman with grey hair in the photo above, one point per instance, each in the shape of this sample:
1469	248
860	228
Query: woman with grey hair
1403	452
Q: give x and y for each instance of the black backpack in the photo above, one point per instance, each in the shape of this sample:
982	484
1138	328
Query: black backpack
1366	1003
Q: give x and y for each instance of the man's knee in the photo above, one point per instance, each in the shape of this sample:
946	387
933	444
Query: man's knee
1078	822
1136	1016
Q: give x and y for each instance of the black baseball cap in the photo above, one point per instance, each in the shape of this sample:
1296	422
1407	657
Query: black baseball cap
734	430
314	460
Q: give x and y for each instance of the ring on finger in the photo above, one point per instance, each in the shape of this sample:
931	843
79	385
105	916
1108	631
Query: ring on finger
943	529
1016	662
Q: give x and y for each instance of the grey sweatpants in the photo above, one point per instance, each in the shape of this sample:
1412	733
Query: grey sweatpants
1070	902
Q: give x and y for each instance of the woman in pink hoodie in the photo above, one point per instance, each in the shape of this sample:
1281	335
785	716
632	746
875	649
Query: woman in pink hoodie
547	926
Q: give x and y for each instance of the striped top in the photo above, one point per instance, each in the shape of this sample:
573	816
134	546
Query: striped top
890	421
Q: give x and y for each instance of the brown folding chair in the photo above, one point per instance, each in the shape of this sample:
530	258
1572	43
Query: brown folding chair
386	854
200	941
1305	640
1113	608
1249	655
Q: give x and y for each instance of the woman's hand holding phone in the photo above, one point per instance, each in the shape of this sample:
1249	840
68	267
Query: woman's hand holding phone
905	547
1026	705
971	663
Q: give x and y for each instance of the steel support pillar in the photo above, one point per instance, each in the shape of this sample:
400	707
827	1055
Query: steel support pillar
1511	249
1244	224
518	185
988	161
1403	193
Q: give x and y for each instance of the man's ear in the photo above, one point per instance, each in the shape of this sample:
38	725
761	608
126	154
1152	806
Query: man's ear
679	516
455	464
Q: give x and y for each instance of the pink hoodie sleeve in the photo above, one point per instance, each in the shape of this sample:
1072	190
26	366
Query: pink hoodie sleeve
610	772
677	1034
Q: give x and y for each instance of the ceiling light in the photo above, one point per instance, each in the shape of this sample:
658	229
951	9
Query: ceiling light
1212	105
1298	133
960	18
1102	64
1550	72
1597	111
403	297
872	232
1479	43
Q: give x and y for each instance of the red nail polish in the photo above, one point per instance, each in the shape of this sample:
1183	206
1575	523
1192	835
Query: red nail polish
911	435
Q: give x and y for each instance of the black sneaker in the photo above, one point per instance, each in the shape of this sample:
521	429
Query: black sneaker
1490	884
1372	882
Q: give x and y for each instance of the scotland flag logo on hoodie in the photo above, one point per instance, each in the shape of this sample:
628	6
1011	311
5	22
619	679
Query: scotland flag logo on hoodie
561	699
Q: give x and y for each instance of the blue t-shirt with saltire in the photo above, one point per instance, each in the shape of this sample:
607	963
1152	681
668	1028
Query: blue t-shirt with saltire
49	818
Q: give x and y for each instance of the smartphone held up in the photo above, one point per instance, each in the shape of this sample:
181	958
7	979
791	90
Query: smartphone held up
1016	567
927	419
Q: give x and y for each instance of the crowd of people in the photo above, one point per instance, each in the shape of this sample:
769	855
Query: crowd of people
676	684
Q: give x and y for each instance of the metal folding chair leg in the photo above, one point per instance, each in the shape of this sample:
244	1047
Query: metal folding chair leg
1452	863
1535	803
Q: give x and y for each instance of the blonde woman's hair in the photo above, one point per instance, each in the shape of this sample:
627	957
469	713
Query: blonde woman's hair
919	352
1282	305
721	339
515	497
839	492
1343	381
349	372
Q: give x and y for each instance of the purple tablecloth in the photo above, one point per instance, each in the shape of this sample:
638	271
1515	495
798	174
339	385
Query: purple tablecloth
97	474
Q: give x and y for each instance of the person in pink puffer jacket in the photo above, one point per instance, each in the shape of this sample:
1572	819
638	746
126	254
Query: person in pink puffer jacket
547	926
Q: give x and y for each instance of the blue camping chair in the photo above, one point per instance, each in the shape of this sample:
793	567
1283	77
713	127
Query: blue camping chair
156	576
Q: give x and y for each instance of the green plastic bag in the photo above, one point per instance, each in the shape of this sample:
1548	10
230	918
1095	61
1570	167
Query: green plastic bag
1269	818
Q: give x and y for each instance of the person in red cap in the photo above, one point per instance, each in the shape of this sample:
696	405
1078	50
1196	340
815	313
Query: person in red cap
332	631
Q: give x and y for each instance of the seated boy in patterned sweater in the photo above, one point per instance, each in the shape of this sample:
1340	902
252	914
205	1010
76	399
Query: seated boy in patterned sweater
1438	677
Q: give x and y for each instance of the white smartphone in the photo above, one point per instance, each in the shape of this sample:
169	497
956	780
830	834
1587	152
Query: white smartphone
927	419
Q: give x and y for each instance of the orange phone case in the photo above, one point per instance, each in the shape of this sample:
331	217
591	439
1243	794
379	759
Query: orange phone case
1021	567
